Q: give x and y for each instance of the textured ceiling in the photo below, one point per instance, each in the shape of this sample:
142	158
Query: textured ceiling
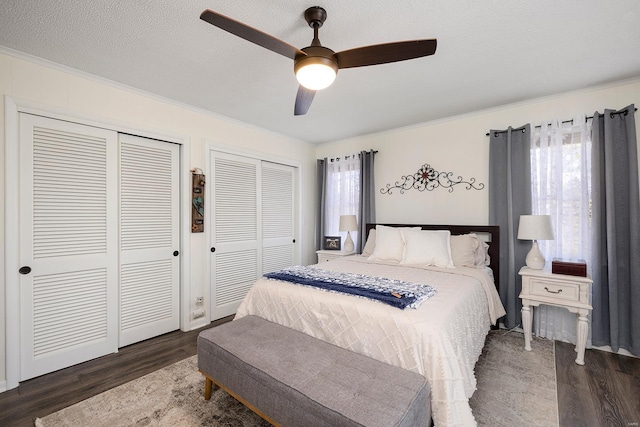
489	53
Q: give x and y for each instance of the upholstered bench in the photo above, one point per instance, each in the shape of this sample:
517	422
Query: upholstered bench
292	379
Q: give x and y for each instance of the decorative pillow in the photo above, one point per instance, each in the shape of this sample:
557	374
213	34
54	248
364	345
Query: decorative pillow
428	247
371	243
483	259
463	250
481	255
389	243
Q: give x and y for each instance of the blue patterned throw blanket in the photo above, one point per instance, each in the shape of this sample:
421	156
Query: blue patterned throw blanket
397	293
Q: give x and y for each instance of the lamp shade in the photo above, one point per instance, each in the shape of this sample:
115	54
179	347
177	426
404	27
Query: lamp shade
535	227
348	223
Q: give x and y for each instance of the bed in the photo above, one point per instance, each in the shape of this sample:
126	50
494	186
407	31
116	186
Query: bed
441	339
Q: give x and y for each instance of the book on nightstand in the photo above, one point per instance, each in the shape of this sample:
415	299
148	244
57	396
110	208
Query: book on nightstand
570	267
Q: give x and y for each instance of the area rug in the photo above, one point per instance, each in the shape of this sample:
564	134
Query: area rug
515	387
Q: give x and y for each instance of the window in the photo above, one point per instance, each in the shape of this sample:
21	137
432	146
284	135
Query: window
561	186
342	194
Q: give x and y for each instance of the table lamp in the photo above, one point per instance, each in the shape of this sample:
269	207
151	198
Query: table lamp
535	227
348	223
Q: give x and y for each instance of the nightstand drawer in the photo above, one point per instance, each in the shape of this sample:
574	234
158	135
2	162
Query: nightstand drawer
552	289
326	255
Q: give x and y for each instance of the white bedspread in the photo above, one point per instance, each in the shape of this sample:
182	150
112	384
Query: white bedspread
441	340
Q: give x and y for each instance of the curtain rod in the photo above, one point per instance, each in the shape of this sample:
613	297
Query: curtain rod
625	112
347	157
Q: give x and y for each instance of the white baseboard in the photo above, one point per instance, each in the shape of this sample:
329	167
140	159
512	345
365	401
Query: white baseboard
198	324
621	351
3	386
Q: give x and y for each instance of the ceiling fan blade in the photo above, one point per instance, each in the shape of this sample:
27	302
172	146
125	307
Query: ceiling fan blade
303	100
385	53
251	34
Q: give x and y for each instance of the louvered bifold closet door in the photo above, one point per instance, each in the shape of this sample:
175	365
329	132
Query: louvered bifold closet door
149	238
278	193
68	244
236	259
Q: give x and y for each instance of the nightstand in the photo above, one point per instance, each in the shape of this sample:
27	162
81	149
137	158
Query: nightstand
570	292
324	256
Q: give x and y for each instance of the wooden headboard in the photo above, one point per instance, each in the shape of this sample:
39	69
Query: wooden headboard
492	233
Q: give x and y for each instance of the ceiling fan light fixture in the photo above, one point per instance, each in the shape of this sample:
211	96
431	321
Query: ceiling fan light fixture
316	73
316	66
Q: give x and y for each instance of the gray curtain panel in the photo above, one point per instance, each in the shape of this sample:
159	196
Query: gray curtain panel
321	185
510	197
616	231
367	209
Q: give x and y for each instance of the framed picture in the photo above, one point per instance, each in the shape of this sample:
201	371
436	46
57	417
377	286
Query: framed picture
331	243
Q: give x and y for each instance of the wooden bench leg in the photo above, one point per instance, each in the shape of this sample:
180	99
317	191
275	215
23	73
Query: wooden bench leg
208	385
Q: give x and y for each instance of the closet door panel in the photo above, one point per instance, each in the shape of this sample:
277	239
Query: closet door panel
278	196
68	240
149	236
236	230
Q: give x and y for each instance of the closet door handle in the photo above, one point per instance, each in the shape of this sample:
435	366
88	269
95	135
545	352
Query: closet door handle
25	270
176	253
213	249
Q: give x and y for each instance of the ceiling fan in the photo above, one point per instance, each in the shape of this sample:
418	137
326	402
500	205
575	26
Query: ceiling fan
316	66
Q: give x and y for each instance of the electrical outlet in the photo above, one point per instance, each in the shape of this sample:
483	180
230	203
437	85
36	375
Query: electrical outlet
199	300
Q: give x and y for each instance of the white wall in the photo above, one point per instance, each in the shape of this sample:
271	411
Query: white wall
74	93
460	145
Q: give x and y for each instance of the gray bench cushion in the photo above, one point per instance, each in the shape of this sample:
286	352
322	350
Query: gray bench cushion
298	380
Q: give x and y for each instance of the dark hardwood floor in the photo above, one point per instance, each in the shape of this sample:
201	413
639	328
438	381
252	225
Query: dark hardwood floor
49	393
603	392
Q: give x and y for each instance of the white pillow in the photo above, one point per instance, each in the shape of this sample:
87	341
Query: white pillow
427	247
371	243
464	250
389	243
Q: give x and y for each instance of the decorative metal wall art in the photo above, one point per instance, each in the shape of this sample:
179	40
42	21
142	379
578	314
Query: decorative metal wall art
197	201
429	179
